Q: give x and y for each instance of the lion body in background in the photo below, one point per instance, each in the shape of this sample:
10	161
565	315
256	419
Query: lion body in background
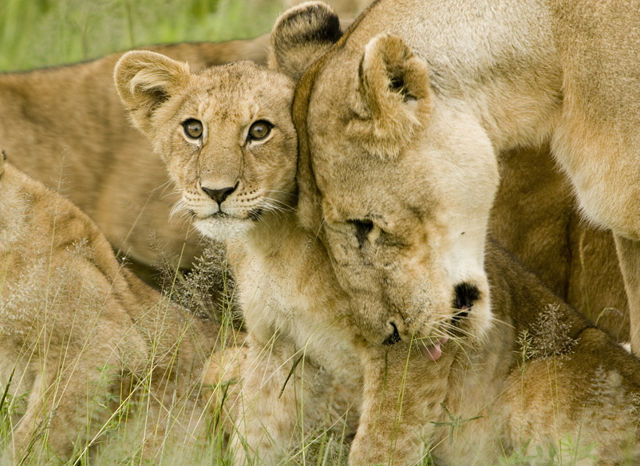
80	334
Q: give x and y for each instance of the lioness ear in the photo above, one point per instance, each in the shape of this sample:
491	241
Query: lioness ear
300	35
145	80
393	98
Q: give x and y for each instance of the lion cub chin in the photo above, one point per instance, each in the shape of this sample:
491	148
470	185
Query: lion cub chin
229	144
81	335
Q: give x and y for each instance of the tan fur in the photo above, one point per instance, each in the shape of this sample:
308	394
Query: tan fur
294	306
78	331
534	216
72	147
297	374
298	53
543	376
487	92
66	127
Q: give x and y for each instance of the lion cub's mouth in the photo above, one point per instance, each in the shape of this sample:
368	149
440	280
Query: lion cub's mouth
253	215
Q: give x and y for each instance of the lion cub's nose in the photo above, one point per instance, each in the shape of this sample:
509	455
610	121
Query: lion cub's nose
219	195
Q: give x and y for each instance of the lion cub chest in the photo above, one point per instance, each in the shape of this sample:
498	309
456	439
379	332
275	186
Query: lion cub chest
282	289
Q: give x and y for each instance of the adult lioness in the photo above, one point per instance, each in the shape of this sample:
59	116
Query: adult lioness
415	89
294	305
78	331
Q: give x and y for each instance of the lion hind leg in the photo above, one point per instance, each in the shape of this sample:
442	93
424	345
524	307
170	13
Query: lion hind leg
583	405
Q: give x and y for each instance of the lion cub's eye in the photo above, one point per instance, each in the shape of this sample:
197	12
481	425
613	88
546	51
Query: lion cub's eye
192	128
259	130
363	228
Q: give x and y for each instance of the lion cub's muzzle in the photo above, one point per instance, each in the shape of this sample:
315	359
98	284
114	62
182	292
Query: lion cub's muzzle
226	206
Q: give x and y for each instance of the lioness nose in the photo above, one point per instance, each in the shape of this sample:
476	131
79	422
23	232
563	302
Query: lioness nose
465	294
219	195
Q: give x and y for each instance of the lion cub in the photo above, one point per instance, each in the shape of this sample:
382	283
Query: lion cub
229	144
227	139
78	332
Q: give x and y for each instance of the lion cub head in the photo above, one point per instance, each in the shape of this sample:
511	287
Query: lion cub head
398	186
225	134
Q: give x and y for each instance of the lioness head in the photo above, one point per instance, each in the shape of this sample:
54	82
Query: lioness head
225	134
398	187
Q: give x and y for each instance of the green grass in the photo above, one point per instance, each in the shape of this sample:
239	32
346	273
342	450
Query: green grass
38	33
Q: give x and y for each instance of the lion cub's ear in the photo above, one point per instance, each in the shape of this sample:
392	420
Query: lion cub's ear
393	98
300	35
145	80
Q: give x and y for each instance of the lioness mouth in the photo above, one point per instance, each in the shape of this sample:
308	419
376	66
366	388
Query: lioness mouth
432	351
459	316
394	337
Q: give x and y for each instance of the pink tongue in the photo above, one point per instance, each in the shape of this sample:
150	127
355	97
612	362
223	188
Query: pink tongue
434	352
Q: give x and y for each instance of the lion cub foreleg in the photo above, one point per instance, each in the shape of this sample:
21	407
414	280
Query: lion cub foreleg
403	395
273	398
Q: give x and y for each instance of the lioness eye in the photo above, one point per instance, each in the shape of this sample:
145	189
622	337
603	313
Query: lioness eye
363	228
192	128
259	130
